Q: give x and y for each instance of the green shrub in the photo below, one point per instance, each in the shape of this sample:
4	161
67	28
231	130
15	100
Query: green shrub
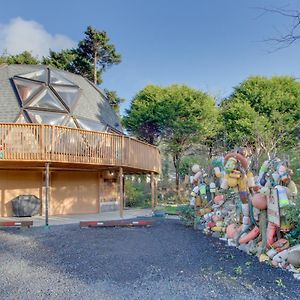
187	215
137	194
292	214
295	165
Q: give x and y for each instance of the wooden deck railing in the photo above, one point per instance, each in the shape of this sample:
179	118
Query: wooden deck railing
35	142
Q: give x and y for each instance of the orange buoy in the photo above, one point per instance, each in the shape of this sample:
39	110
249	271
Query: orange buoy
281	245
219	199
211	224
250	236
259	201
271	230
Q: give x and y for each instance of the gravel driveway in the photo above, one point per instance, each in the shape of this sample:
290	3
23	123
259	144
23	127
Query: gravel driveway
166	261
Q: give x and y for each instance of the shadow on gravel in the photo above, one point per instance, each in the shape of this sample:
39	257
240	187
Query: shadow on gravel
125	255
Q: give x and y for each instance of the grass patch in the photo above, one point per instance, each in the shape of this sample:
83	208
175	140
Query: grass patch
170	209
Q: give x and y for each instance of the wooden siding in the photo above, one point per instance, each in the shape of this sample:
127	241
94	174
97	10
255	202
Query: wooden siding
71	146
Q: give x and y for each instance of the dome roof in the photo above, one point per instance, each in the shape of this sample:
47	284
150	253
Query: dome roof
46	95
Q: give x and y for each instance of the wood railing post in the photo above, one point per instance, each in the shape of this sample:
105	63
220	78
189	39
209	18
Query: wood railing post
52	143
42	150
123	151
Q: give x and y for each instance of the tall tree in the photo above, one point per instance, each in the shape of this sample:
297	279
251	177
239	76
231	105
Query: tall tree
90	59
176	115
97	51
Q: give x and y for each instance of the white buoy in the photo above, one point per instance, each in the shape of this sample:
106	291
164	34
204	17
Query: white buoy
195	168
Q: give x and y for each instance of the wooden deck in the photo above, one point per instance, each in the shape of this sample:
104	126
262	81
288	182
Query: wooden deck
32	145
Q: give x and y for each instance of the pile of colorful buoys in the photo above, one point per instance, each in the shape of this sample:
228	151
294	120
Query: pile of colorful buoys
248	211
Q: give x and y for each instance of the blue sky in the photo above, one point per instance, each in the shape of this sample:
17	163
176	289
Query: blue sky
211	45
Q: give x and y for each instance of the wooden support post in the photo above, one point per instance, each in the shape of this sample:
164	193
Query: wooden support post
124	194
43	193
152	190
99	192
156	191
121	196
47	196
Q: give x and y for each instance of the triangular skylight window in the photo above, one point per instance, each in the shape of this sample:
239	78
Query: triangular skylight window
71	123
44	117
46	99
26	89
68	94
56	78
91	125
40	75
21	119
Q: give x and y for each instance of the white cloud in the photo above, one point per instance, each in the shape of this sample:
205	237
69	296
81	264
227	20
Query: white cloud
20	35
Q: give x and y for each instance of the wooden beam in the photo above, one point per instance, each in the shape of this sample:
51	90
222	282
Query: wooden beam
121	195
16	223
115	223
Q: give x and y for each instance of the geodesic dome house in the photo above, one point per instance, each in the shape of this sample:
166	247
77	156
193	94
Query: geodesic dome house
45	95
61	140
